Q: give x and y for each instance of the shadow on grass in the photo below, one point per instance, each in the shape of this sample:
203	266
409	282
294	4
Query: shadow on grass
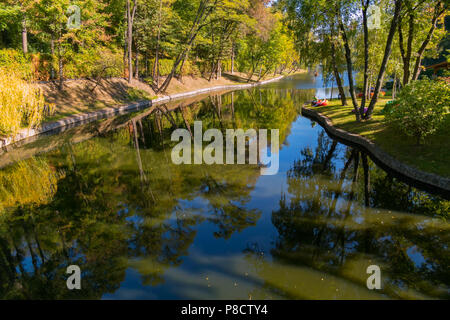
432	156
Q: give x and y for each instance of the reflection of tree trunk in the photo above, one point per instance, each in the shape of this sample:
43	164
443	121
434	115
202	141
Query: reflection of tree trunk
366	179
138	153
141	129
9	261
159	124
232	105
186	123
347	164
168	115
217	112
330	154
32	254
356	167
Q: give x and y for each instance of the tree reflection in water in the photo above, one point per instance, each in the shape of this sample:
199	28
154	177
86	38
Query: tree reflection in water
116	203
341	220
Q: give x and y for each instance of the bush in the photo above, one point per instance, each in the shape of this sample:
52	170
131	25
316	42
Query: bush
15	60
420	108
94	63
21	103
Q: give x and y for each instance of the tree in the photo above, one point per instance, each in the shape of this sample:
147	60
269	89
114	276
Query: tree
201	15
423	17
387	52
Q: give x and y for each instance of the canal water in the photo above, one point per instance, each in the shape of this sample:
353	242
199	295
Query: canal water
107	198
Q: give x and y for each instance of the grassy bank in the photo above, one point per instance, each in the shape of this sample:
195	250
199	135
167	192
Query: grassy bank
433	156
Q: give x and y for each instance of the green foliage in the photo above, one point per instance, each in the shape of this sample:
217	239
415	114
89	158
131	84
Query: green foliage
95	63
420	108
14	60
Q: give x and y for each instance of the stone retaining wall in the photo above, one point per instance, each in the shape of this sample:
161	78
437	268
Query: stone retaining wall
80	119
420	178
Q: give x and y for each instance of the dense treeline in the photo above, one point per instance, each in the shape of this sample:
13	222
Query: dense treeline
151	40
380	40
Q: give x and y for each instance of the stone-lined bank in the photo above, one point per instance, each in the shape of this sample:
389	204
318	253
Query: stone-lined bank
383	159
80	119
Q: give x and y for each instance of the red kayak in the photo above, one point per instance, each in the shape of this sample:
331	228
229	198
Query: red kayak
320	103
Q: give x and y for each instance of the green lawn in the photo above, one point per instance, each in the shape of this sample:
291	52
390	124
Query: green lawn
433	156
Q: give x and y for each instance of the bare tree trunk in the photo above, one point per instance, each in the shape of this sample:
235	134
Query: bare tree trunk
387	53
438	12
366	179
125	50
130	18
60	67
136	64
337	76
24	36
394	86
406	55
348	58
232	58
365	5
156	64
52	50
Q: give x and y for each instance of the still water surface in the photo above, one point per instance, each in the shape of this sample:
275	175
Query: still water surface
106	197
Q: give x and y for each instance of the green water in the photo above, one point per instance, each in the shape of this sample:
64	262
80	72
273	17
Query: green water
106	197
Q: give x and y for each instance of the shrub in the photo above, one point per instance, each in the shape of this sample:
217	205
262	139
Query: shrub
15	60
420	108
94	63
21	103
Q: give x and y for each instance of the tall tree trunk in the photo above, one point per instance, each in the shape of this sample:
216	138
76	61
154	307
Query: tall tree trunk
146	63
406	55
136	64
218	70
337	75
232	58
156	64
60	67
348	58
366	179
52	50
438	12
387	53
24	36
130	18
125	51
394	86
365	4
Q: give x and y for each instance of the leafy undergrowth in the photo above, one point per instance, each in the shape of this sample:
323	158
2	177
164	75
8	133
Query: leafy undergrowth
432	156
